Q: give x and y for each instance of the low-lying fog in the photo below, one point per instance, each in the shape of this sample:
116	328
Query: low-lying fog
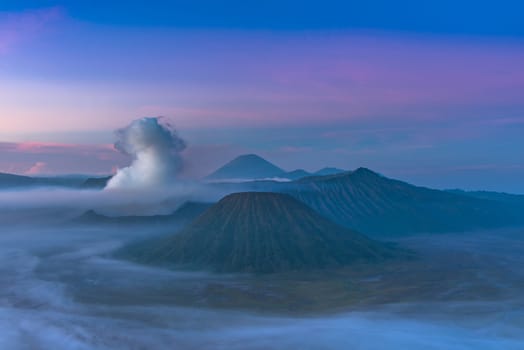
61	290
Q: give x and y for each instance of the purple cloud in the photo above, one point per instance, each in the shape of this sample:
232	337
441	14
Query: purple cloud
16	27
35	158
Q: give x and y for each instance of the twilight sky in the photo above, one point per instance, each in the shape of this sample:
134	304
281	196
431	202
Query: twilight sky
430	92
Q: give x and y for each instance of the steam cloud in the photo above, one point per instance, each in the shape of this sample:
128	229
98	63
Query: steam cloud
155	147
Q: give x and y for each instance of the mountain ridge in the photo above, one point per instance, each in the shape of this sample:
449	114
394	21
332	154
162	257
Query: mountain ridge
260	232
184	214
383	207
15	181
247	166
254	167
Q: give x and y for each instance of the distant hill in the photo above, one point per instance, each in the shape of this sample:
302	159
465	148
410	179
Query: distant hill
295	174
490	195
301	173
329	171
184	214
377	205
260	233
253	167
12	181
248	166
382	207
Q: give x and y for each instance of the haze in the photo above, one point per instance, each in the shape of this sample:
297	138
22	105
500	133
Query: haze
261	175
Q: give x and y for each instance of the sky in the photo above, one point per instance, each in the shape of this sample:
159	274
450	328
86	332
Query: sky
430	92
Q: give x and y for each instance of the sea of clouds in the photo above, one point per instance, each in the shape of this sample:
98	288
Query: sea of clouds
60	290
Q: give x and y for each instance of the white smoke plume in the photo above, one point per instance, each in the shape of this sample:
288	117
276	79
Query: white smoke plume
155	147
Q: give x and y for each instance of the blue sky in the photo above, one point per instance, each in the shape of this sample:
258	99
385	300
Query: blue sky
427	91
481	17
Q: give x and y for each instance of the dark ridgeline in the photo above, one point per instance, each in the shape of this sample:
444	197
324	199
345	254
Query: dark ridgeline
184	214
252	166
248	166
381	207
12	181
260	233
295	174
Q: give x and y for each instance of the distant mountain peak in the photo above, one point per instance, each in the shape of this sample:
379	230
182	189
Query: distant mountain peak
250	156
247	166
364	172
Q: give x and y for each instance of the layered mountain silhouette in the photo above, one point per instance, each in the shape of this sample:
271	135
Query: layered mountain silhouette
12	181
184	214
295	174
261	233
382	207
244	167
379	206
252	167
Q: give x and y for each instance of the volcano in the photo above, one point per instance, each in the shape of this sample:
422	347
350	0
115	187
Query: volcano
248	166
260	233
380	207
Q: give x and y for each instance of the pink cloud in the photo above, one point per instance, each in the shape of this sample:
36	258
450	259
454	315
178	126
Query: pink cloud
37	168
59	148
16	27
55	158
348	77
352	77
229	79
